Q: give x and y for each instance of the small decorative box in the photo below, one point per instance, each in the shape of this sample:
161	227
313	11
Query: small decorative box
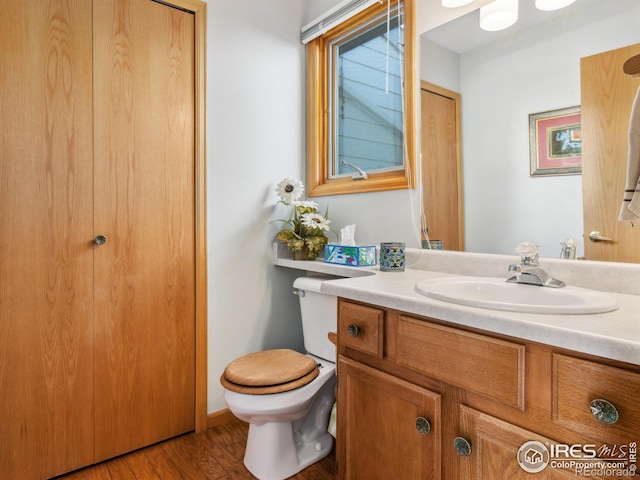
351	255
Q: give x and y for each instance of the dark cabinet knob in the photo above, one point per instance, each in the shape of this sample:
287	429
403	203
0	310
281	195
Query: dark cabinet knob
423	425
604	411
353	330
462	446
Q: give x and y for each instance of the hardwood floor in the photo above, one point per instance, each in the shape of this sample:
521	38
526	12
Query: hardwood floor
214	454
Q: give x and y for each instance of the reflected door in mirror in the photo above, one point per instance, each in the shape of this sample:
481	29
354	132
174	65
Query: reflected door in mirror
441	166
607	94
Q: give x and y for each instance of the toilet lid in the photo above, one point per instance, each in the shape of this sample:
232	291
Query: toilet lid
270	371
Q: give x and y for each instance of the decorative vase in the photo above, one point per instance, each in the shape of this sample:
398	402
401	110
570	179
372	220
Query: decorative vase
303	254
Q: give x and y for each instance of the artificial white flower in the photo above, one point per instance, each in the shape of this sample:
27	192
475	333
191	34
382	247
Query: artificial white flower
289	190
304	232
315	220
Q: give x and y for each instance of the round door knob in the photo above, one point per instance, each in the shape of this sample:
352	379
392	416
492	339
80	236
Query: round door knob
423	425
604	411
598	237
462	446
353	330
100	240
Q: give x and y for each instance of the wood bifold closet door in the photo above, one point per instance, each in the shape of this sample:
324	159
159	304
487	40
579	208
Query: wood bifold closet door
97	342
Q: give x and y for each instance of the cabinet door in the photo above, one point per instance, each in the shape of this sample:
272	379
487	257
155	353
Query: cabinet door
144	205
46	228
378	416
495	452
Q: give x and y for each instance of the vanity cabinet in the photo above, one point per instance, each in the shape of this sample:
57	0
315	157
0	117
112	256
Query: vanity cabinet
495	448
391	426
378	406
483	397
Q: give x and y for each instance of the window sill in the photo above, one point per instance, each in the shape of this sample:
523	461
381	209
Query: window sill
375	183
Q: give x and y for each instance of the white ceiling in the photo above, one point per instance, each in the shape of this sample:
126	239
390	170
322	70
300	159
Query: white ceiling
431	14
464	33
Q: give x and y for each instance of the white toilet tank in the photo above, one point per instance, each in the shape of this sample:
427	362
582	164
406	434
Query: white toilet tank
319	317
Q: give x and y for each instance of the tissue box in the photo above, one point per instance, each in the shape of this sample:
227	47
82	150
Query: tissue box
351	255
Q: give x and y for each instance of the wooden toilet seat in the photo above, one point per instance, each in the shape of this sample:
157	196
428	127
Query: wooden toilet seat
270	371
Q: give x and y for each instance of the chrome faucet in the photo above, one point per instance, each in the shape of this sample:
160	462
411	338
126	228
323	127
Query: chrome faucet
528	272
531	275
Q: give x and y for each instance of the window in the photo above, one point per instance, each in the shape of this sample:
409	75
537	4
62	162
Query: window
360	103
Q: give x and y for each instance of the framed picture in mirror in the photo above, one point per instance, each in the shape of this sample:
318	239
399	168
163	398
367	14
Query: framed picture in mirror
555	142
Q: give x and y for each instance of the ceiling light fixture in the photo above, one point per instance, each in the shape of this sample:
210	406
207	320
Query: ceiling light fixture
455	3
498	15
548	5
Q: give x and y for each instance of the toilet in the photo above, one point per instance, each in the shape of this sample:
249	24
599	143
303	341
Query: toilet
286	396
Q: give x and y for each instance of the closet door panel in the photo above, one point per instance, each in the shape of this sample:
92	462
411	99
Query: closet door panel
144	205
46	231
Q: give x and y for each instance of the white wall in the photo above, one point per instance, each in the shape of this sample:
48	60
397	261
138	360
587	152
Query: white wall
439	65
316	8
255	137
501	85
379	217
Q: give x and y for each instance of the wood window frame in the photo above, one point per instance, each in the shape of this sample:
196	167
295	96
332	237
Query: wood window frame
318	83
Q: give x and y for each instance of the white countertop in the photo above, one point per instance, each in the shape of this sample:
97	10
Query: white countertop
614	335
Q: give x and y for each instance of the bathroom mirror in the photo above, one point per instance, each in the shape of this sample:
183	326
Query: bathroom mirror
503	77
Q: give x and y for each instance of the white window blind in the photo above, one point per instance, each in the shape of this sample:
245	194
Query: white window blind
341	12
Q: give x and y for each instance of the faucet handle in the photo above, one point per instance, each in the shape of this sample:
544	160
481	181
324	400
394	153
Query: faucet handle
528	253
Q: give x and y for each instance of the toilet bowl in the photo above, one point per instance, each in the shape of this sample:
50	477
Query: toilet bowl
285	396
288	430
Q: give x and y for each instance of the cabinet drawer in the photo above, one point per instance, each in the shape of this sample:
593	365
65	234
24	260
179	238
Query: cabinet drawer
577	382
361	327
474	362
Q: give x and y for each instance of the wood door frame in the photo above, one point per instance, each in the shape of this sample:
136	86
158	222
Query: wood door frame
199	9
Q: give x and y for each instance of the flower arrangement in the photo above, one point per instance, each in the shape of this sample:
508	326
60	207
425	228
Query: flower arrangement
306	227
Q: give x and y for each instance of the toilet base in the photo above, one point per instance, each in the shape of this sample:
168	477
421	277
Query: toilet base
279	450
277	440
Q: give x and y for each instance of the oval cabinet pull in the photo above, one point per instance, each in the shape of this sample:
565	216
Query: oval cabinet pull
100	240
462	446
604	411
423	425
353	330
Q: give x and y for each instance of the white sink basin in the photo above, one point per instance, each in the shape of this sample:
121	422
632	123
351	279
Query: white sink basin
497	294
